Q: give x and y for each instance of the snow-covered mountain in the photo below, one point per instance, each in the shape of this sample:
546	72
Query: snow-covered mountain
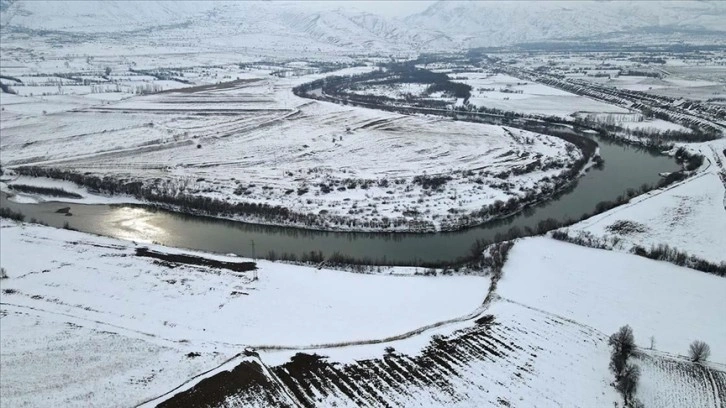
340	27
445	25
353	29
490	23
99	15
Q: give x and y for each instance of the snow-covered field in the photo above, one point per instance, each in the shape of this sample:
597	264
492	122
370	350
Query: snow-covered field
251	140
680	82
500	91
504	92
52	359
82	304
689	216
525	358
102	279
541	342
87	321
606	290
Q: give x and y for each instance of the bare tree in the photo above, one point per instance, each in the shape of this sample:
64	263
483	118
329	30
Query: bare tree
699	351
623	340
628	382
623	344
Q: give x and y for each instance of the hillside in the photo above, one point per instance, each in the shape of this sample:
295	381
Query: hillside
444	26
488	23
212	22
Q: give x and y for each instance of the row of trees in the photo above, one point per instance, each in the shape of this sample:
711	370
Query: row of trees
627	374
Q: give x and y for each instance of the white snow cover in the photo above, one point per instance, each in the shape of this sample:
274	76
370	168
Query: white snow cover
51	359
607	290
101	279
690	217
84	321
489	23
505	92
541	360
252	140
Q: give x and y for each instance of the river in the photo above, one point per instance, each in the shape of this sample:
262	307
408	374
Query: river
625	167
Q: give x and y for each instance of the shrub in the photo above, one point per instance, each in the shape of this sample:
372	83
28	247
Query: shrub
49	191
626	227
13	215
3	273
699	351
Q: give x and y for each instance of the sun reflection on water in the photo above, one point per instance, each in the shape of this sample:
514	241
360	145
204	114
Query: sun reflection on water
135	224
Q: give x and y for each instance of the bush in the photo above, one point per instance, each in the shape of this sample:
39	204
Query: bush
699	351
49	191
13	215
664	252
3	273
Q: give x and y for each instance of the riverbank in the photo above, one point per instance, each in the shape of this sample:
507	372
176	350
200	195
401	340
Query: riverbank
168	320
286	160
293	321
630	170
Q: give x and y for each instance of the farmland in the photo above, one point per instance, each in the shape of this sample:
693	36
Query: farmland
251	141
275	204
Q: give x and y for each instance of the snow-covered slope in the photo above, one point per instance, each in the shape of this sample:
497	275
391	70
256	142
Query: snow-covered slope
606	290
101	16
490	23
445	25
205	20
354	29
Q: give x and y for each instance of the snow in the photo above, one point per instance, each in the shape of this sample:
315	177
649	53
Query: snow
690	217
654	124
607	290
667	383
251	26
48	359
87	198
255	135
482	24
526	358
514	94
101	280
76	304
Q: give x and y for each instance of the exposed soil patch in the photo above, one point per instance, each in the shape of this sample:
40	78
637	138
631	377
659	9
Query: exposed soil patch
212	87
246	385
310	378
625	227
197	260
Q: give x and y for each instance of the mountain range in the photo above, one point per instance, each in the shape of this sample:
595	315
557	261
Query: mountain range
444	25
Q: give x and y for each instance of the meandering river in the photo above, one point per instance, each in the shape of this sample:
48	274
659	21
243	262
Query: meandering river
625	167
